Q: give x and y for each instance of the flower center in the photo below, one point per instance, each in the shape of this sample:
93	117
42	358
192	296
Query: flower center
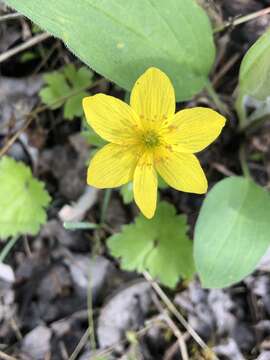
150	139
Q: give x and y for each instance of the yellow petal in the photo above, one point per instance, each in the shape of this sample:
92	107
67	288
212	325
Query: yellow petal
181	171
112	166
145	185
111	118
152	96
191	130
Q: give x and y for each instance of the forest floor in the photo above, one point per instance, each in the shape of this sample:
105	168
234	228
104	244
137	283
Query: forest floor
48	281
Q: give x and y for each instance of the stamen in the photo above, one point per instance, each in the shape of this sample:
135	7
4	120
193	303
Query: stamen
150	139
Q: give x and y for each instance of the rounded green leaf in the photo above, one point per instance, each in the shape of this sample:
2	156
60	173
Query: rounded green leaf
232	232
120	39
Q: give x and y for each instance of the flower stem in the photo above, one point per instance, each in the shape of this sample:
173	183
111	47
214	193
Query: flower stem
4	253
106	200
243	162
212	93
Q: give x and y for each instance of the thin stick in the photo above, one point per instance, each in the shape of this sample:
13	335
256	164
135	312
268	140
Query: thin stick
242	19
80	345
10	16
179	337
222	169
4	356
225	68
177	314
26	45
158	320
12	140
177	333
37	111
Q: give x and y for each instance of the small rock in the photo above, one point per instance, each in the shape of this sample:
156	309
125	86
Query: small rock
36	343
209	311
57	282
230	350
7	273
77	211
264	356
244	336
55	232
17	98
100	270
7	298
222	307
86	356
61	327
125	311
264	264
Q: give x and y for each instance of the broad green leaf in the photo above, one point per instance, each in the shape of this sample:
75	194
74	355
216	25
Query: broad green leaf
254	77
232	232
68	84
159	245
120	39
23	200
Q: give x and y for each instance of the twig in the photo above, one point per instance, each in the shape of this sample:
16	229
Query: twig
157	320
177	333
12	140
242	19
10	16
26	45
37	111
225	68
4	356
80	345
177	314
222	169
179	337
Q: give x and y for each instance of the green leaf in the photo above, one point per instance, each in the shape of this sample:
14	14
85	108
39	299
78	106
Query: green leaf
92	137
23	200
120	39
254	77
126	190
232	232
159	245
69	84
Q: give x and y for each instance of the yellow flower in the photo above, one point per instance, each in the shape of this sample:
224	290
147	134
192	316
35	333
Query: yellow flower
147	138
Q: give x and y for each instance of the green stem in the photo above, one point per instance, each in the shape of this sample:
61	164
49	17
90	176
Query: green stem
68	225
105	205
211	91
4	253
243	162
91	329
